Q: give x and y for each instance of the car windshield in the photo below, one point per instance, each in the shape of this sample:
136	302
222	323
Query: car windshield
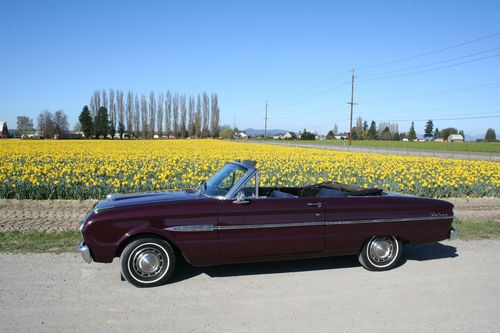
223	180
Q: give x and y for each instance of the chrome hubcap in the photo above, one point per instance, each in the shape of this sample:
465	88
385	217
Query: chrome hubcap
148	262
381	249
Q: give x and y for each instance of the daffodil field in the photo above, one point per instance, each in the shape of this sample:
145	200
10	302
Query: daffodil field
92	169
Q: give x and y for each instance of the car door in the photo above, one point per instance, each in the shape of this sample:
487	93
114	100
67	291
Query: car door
270	227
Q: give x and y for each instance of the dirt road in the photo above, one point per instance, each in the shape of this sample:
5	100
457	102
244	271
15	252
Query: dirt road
58	215
452	286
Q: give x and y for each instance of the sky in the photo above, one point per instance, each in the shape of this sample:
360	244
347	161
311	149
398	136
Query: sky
413	60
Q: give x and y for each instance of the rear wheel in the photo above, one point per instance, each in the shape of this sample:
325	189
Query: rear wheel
147	262
380	253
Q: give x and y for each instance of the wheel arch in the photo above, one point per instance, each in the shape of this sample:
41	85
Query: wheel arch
146	234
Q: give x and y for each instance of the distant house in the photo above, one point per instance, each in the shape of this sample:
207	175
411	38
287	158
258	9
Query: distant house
439	140
455	138
405	139
341	137
289	136
4	131
240	135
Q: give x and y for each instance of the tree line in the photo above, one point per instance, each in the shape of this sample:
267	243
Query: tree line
163	115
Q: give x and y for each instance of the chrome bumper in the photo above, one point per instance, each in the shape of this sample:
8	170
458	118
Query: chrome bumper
453	233
85	252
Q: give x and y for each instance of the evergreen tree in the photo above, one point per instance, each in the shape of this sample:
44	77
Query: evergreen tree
411	134
102	123
365	126
436	133
85	119
490	136
372	132
121	129
429	126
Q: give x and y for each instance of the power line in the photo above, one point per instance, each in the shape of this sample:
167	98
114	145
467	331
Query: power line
309	97
432	64
438	92
431	52
432	69
458	118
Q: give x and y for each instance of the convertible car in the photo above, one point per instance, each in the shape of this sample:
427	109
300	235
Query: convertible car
231	219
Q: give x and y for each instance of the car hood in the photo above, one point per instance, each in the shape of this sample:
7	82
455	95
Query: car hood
122	200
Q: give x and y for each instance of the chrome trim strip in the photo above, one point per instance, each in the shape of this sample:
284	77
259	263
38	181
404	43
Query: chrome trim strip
399	219
210	227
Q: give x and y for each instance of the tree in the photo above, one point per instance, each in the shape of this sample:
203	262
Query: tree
144	116
372	131
101	123
24	125
365	126
205	116
191	113
137	116
307	135
86	121
95	103
182	129
396	136
411	133
227	133
175	114
159	113
490	136
112	106
330	135
446	132
198	117
429	126
120	108
152	113
335	129
436	133
46	124
359	128
121	130
61	122
214	119
386	134
354	133
168	114
130	112
461	132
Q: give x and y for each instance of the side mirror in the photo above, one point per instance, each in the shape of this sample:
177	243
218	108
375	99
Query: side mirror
241	198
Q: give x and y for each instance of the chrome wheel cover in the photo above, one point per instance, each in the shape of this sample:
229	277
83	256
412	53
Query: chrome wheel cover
382	250
148	263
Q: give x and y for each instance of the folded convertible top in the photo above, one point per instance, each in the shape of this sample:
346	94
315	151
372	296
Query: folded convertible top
352	190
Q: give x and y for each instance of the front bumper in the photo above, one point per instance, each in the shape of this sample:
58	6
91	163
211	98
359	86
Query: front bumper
453	233
85	252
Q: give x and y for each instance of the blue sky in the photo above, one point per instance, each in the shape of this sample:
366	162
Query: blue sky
295	54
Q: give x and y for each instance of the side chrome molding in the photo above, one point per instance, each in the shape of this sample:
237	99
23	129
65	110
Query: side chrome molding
211	227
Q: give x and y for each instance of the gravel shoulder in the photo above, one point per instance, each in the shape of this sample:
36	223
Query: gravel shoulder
59	215
444	287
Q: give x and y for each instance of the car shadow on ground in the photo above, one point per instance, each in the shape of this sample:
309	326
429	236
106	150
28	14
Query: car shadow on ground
185	271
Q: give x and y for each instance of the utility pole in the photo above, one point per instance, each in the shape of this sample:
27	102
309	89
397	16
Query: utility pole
265	124
352	105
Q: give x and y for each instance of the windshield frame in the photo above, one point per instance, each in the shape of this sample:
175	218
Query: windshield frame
231	193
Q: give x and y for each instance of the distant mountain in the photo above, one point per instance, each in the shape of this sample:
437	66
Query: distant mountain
257	132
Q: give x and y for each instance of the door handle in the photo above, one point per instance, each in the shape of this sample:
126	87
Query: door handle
314	204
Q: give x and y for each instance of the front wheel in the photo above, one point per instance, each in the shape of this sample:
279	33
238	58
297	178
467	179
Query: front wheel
380	253
147	262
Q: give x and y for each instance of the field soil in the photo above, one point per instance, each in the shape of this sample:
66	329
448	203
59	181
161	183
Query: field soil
450	286
60	215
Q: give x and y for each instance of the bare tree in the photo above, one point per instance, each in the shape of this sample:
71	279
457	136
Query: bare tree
159	112
130	111
152	113
120	108
112	108
214	120
175	107
206	116
359	127
95	103
137	116
168	114
144	116
335	129
183	116
198	117
61	122
46	124
191	122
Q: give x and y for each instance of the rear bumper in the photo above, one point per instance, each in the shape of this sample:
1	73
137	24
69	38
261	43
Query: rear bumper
85	252
453	233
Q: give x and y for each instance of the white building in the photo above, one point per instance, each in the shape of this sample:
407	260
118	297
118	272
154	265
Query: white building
455	138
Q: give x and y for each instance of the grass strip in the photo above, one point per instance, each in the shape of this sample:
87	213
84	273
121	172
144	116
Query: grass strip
66	241
39	241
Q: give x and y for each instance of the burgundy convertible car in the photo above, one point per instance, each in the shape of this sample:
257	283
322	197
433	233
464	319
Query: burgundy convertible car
230	219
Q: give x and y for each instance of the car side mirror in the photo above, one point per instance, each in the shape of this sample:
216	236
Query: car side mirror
241	198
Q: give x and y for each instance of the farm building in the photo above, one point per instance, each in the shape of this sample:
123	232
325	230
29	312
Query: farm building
240	135
455	138
289	136
4	131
